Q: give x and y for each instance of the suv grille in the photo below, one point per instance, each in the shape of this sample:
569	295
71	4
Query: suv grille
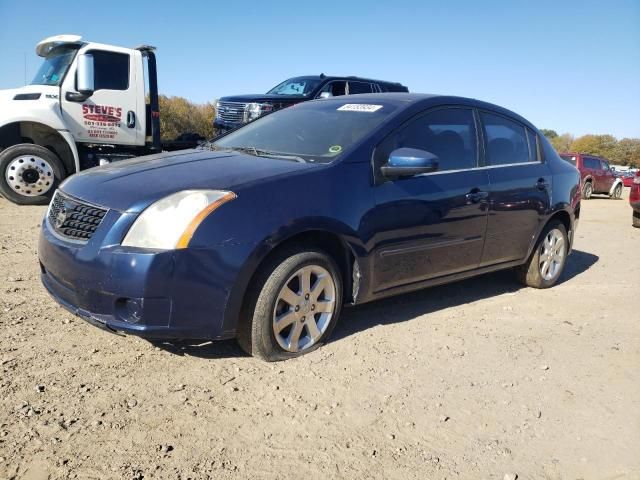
231	112
74	219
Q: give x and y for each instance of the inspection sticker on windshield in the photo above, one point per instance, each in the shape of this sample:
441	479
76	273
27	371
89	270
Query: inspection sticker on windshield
359	107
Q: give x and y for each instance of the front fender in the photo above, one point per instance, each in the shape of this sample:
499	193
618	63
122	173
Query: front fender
618	181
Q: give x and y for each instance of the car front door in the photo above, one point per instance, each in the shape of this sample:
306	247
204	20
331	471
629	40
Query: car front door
520	188
432	224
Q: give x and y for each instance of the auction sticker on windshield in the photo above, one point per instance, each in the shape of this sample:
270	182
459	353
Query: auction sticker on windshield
359	107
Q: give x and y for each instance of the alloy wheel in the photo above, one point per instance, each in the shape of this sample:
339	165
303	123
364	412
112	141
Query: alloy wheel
552	254
304	308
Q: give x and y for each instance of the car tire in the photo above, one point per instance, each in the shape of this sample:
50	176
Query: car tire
587	190
29	174
636	219
617	192
546	263
296	305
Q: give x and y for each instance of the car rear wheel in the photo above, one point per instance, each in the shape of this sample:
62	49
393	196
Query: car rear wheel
587	190
617	192
297	306
548	259
29	174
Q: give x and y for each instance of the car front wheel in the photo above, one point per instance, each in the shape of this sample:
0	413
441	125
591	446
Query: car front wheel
548	259
296	308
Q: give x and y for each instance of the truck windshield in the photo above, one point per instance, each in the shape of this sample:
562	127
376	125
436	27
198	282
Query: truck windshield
55	66
317	132
296	86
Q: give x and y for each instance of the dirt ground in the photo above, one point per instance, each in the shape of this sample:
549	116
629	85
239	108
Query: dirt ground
474	380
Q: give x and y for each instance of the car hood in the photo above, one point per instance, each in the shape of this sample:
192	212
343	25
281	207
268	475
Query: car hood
263	97
132	185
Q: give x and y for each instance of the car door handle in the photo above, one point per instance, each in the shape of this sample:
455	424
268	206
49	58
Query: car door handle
475	196
131	119
542	184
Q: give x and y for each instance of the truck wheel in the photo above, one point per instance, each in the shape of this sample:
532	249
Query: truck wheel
587	190
29	174
636	219
297	305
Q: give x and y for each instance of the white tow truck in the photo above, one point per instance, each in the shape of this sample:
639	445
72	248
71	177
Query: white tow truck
89	104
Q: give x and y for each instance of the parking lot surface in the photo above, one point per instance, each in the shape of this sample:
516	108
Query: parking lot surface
476	380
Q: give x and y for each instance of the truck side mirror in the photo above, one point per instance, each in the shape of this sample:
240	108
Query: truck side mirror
85	74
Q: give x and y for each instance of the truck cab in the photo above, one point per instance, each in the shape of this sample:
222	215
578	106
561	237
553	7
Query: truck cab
88	104
234	111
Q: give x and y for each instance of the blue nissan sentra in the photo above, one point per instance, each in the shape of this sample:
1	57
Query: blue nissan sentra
265	233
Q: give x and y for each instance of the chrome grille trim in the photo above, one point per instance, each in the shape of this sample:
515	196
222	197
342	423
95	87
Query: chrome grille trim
74	219
231	112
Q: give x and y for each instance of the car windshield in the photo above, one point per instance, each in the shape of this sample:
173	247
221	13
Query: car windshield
296	86
318	131
55	66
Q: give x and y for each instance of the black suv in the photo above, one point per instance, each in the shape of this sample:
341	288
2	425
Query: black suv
232	112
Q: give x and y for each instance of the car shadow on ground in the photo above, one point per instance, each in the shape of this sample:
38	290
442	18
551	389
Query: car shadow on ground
396	309
408	306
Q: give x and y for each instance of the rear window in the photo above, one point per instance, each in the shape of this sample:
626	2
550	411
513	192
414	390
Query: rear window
569	158
506	140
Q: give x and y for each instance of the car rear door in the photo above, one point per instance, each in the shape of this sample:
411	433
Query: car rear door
432	224
520	189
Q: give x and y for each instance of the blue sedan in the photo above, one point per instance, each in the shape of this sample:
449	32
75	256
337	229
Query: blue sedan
264	234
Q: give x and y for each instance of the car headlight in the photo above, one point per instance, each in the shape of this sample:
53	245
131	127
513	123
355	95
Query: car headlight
254	110
171	222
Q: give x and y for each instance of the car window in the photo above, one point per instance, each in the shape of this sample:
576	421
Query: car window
591	163
316	132
506	140
447	133
533	146
335	88
605	165
111	70
359	87
569	158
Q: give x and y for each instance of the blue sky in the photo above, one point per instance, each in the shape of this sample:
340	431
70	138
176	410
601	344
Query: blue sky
573	66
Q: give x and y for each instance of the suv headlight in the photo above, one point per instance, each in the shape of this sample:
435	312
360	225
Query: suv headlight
254	110
171	222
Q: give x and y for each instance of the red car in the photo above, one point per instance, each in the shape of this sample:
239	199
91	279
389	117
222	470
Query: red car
596	175
634	199
627	178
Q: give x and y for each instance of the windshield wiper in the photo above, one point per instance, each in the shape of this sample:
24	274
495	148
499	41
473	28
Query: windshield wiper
265	153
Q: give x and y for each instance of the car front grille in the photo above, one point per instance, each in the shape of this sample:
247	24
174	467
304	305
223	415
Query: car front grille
74	219
231	112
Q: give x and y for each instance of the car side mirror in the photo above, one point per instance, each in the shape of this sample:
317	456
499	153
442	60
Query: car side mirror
86	80
406	162
325	95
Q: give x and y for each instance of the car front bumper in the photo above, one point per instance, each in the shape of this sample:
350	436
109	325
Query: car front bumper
152	294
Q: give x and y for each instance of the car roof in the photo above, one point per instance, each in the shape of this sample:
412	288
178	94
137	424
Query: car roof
427	99
347	77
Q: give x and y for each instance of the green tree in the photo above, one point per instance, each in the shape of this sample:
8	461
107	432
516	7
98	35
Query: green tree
627	152
603	145
549	133
178	115
562	143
